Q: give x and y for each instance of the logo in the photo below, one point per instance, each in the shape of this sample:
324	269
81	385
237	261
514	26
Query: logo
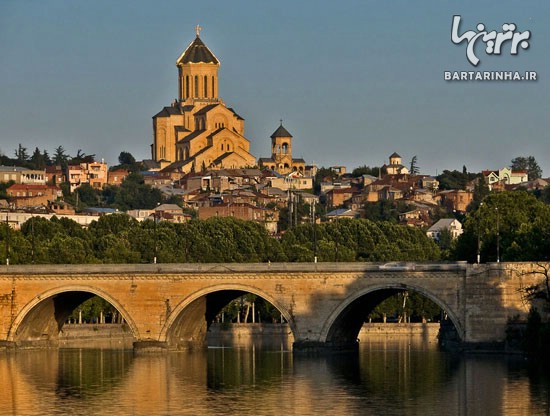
495	42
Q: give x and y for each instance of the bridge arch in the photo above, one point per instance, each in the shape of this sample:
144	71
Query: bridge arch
41	319
188	322
344	323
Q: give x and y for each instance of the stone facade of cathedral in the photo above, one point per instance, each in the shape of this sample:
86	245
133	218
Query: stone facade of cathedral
198	131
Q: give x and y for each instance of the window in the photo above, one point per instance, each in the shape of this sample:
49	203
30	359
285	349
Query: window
196	92
187	87
205	86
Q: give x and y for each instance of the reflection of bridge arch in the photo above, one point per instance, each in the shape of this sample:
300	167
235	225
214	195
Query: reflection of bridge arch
187	323
344	323
46	313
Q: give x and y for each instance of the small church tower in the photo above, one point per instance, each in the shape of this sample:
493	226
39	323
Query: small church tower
281	159
281	149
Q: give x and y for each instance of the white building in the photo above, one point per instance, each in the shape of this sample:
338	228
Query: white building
451	224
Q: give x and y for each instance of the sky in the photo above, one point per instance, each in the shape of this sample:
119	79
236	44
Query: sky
353	81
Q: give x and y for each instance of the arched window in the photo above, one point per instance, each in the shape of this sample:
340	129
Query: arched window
187	87
205	86
196	92
213	92
222	147
285	148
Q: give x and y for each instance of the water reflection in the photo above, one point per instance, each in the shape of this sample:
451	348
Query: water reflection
387	377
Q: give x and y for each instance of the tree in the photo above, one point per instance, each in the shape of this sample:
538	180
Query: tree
37	159
82	157
88	196
366	170
60	157
513	223
126	158
481	190
21	154
414	170
455	179
528	164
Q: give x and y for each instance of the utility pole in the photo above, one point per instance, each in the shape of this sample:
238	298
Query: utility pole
498	235
7	238
32	240
290	207
314	224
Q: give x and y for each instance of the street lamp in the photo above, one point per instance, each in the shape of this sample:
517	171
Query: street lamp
479	234
7	239
155	219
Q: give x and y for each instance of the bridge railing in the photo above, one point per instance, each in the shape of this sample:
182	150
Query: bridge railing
217	268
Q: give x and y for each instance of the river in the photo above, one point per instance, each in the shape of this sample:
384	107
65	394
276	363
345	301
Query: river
389	376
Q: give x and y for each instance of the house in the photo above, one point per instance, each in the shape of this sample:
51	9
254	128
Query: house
342	213
418	217
33	195
94	173
338	196
169	212
504	176
451	224
247	212
21	175
291	181
76	175
97	174
55	175
455	199
115	177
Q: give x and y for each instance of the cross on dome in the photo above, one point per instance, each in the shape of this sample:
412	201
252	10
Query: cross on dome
198	30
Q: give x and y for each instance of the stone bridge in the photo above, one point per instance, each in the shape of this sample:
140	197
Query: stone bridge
170	306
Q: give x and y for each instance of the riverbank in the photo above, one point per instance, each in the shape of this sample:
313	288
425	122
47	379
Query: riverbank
115	336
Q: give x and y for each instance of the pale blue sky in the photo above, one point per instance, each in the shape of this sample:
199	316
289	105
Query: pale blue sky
354	81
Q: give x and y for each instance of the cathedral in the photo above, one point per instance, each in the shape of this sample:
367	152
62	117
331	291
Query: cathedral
198	131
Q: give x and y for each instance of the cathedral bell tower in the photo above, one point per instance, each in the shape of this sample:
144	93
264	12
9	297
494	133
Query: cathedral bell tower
198	73
281	149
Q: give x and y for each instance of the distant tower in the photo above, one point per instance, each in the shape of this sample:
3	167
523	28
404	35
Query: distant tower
281	149
281	159
395	167
198	72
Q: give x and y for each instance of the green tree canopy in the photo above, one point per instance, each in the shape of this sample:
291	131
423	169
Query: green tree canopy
528	164
514	221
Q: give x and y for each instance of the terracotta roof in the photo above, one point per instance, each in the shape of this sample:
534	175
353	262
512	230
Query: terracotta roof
21	186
